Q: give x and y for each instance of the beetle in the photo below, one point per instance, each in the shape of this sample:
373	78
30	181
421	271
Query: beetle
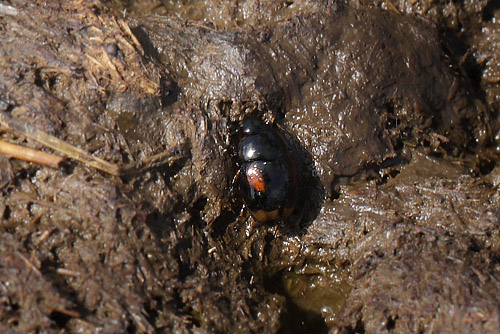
267	177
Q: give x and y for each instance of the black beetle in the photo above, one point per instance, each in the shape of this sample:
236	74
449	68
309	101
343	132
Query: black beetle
267	177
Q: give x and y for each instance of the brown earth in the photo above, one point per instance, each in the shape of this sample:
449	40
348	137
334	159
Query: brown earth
390	110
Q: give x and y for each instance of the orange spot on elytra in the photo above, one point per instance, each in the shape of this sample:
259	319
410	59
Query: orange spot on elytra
256	180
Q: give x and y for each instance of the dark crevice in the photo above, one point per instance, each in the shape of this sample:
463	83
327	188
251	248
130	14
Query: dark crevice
61	319
169	91
6	212
391	323
151	308
181	253
490	9
358	329
148	47
131	328
220	224
49	270
486	167
186	309
464	64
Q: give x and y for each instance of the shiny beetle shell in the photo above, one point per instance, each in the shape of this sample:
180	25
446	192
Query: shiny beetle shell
267	176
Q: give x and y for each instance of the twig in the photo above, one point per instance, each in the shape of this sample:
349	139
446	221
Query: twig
30	155
67	272
73	152
164	158
69	313
30	264
8	10
58	145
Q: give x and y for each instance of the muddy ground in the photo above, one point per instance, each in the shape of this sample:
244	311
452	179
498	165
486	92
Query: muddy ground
389	108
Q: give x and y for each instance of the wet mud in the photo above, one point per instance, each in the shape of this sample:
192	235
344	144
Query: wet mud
388	109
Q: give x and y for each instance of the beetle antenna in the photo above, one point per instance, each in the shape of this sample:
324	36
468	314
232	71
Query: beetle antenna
274	114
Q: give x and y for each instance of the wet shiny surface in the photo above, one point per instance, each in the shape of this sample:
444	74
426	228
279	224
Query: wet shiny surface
390	116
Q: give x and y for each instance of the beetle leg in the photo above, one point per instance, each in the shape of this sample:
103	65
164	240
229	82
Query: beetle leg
236	177
242	211
274	113
274	231
251	237
234	186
